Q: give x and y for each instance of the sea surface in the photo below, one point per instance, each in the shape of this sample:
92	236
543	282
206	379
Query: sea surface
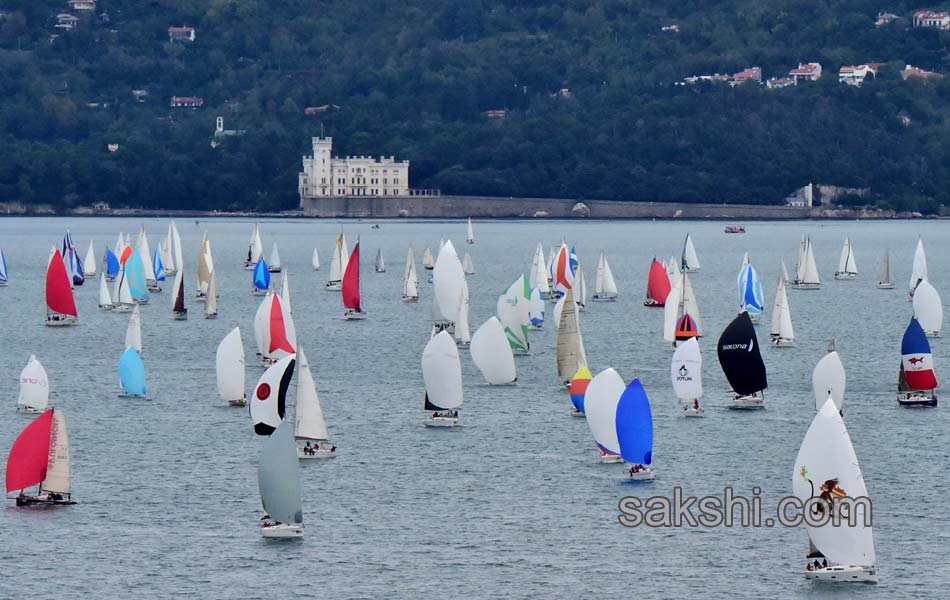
513	504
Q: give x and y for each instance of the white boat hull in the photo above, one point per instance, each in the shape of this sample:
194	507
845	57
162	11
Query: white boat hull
354	316
121	308
29	410
333	286
410	299
241	402
284	531
610	459
181	316
932	334
60	320
883	285
806	286
851	573
257	292
604	298
753	402
441	422
692	411
211	315
321	453
845	276
645	474
577	413
106	306
782	343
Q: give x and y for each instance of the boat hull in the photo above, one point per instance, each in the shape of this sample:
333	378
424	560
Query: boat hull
651	303
181	316
352	315
333	286
321	453
60	320
752	402
257	292
410	299
211	315
806	286
284	531
932	334
29	410
845	276
645	474
44	500
692	411
106	306
240	402
610	459
782	343
154	288
121	308
442	422
847	574
274	269
917	401
881	285
604	298
577	413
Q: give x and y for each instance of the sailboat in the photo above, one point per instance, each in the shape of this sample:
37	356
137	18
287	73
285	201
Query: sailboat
579	384
828	379
338	265
178	297
40	456
513	312
60	303
273	265
686	372
928	308
681	318
539	273
71	258
449	286
315	260
492	354
260	284
428	261
581	296
230	369
105	300
269	400
211	300
309	425
279	485
605	288
847	268
600	408
255	250
380	263
135	274
133	333
564	272
919	271
750	290
467	265
442	373
205	266
827	471
571	355
166	248
885	281
132	374
690	262
916	381
278	331
159	268
89	264
176	250
806	276
635	431
658	285
783	335
148	269
123	296
352	299
4	277
34	388
741	361
536	309
112	264
470	234
461	331
410	284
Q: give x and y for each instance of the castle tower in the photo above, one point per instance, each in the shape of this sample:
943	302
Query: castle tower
321	171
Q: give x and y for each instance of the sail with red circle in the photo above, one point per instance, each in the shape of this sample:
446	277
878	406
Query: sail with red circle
658	286
278	329
59	292
29	457
351	280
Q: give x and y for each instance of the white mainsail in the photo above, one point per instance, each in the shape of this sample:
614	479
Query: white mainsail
492	354
168	256
105	300
146	252
262	324
211	300
34	386
309	423
539	272
781	315
470	234
448	282
133	333
462	334
604	285
846	262
828	380
690	260
571	355
691	305
442	371
255	249
928	308
274	262
315	260
467	265
89	263
176	247
919	271
410	284
58	466
285	291
229	366
671	309
808	269
204	266
686	371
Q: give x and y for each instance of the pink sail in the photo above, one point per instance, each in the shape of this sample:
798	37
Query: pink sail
29	456
351	280
59	290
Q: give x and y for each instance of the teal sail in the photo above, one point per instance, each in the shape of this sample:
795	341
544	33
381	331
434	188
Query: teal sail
132	373
135	272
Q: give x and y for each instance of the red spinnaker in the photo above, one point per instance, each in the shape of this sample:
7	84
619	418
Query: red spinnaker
561	268
658	286
29	456
351	280
278	333
125	254
59	290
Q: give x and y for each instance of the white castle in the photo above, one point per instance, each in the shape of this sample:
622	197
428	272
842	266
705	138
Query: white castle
325	176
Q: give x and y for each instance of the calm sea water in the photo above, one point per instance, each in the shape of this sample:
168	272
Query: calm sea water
513	504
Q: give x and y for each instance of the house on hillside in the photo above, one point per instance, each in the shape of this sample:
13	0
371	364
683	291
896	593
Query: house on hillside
670	28
751	74
66	21
855	74
315	110
911	71
498	113
779	82
934	20
140	95
82	4
806	72
187	102
181	34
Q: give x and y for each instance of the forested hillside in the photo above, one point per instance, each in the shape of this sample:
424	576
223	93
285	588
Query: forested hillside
415	78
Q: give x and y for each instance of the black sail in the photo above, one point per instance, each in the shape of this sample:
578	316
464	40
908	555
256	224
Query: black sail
740	358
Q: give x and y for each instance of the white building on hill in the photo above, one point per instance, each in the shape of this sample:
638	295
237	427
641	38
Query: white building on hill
325	176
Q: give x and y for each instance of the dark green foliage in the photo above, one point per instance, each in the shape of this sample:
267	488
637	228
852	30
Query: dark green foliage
414	79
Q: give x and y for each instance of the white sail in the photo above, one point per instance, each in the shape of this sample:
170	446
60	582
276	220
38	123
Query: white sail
470	234
581	297
843	259
427	260
686	371
690	260
274	262
671	310
104	298
691	305
781	314
828	380
168	255
492	354
448	282
380	263
255	247
285	291
308	418
89	263
58	466
928	308
262	324
462	334
810	268
442	371
211	300
410	284
204	266
229	366
600	408
919	271
886	271
315	260
673	268
176	286
570	345
122	293
34	386
133	333
610	285
146	253
827	459
785	273
467	265
539	272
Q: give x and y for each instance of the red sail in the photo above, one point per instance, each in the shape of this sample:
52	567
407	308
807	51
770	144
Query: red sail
125	254
29	456
278	333
351	280
658	287
59	290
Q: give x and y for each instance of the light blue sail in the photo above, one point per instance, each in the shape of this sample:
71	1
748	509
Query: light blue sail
132	373
3	267
261	276
750	290
135	271
159	265
112	264
536	307
635	425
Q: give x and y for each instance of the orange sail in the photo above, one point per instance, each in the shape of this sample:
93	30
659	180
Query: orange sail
658	286
351	281
59	291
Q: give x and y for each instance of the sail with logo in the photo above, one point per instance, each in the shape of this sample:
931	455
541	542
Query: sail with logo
742	364
916	381
686	372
